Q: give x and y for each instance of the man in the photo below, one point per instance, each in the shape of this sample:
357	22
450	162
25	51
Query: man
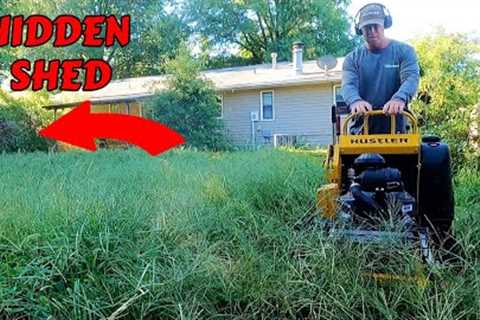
381	74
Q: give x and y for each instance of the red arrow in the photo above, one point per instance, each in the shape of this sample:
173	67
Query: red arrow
79	127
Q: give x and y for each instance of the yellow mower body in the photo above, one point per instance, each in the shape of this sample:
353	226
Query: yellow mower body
346	146
351	145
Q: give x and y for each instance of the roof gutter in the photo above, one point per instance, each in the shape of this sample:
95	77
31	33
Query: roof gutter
295	83
94	101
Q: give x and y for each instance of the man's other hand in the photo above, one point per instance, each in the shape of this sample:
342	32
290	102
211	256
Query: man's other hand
360	107
394	106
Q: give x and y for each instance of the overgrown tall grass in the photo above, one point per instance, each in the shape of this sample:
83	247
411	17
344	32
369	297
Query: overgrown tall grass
201	235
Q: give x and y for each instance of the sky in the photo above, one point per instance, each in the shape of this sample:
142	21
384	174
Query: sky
412	18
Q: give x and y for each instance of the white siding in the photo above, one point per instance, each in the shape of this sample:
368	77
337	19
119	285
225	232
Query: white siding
302	111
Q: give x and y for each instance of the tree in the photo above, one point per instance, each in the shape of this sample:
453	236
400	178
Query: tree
190	106
6	54
155	35
449	87
259	27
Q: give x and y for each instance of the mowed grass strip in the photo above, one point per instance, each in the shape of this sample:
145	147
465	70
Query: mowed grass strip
193	235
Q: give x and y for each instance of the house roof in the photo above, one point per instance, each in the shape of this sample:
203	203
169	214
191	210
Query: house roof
226	79
98	100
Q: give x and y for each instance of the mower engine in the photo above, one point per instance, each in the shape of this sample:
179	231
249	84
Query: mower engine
376	193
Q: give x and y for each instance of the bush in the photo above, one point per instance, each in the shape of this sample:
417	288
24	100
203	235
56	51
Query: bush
20	120
449	90
190	106
9	134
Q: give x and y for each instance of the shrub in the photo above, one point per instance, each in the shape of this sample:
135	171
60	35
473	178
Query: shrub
9	134
190	105
449	89
20	120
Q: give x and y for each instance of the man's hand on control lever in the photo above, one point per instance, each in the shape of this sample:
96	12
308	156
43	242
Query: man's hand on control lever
360	107
394	106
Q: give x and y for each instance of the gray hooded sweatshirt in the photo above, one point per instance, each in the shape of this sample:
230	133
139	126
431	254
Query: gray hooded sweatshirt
378	76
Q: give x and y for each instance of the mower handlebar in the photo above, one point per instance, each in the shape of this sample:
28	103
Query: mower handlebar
406	113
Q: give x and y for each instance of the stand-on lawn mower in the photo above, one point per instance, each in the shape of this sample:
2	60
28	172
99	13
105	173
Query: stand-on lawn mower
400	176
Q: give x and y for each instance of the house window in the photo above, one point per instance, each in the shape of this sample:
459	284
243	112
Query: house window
266	106
337	94
220	107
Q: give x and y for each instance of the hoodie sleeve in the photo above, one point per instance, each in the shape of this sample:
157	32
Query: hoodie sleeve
409	75
350	80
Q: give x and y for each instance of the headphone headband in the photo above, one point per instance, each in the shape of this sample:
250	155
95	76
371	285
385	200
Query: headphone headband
387	22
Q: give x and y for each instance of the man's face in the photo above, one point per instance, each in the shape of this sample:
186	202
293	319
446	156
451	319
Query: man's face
373	35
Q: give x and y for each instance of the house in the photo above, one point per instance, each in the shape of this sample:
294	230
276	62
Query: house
274	103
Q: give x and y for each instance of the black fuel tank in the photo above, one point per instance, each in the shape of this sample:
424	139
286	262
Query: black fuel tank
436	199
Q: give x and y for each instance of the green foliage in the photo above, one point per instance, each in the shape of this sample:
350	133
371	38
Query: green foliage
260	27
225	61
190	106
449	88
196	235
155	35
20	120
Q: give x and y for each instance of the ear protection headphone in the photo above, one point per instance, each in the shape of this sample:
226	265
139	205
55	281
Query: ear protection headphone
387	22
